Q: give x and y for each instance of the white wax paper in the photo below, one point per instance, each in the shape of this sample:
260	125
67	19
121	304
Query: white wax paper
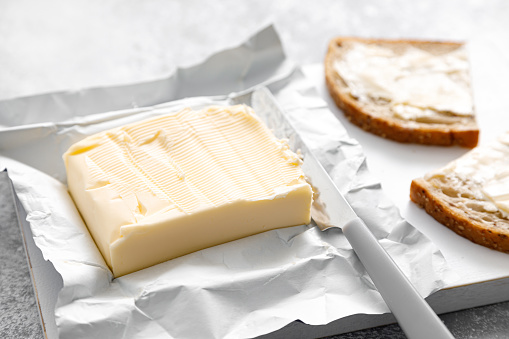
244	288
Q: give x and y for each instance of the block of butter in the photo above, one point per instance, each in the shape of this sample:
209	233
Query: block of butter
161	188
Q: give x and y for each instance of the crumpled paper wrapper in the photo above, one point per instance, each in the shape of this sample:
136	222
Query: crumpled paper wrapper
244	288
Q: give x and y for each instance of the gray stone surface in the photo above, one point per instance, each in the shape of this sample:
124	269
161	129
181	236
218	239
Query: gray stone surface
19	316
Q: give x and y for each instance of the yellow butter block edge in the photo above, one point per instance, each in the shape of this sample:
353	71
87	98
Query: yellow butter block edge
168	186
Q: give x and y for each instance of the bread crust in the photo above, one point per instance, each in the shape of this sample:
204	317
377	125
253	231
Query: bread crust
464	222
465	135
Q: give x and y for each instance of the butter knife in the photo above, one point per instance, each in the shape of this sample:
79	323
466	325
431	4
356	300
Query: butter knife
416	318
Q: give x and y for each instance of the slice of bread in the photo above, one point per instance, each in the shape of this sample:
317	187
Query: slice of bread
367	105
470	195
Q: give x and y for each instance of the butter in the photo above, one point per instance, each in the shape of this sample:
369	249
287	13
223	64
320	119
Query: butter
418	85
486	168
168	186
495	187
497	191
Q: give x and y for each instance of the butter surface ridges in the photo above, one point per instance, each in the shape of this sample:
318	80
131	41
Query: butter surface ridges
161	188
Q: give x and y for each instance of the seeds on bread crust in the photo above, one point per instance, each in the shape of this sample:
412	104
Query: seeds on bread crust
487	230
470	195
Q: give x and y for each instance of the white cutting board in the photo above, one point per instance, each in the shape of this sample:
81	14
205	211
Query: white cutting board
396	164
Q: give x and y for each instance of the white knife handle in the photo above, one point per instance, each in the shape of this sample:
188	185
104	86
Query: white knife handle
413	313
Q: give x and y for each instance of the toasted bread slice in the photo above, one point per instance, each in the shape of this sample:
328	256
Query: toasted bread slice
471	195
356	71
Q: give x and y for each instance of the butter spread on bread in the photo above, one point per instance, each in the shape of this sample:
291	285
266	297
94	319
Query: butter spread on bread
470	195
408	91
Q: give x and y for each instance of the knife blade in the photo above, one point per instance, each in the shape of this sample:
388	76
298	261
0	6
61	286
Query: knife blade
416	318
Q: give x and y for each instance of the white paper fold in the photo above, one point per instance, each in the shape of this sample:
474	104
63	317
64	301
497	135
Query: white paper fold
244	288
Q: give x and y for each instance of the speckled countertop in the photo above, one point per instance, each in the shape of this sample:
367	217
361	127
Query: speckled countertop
19	315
